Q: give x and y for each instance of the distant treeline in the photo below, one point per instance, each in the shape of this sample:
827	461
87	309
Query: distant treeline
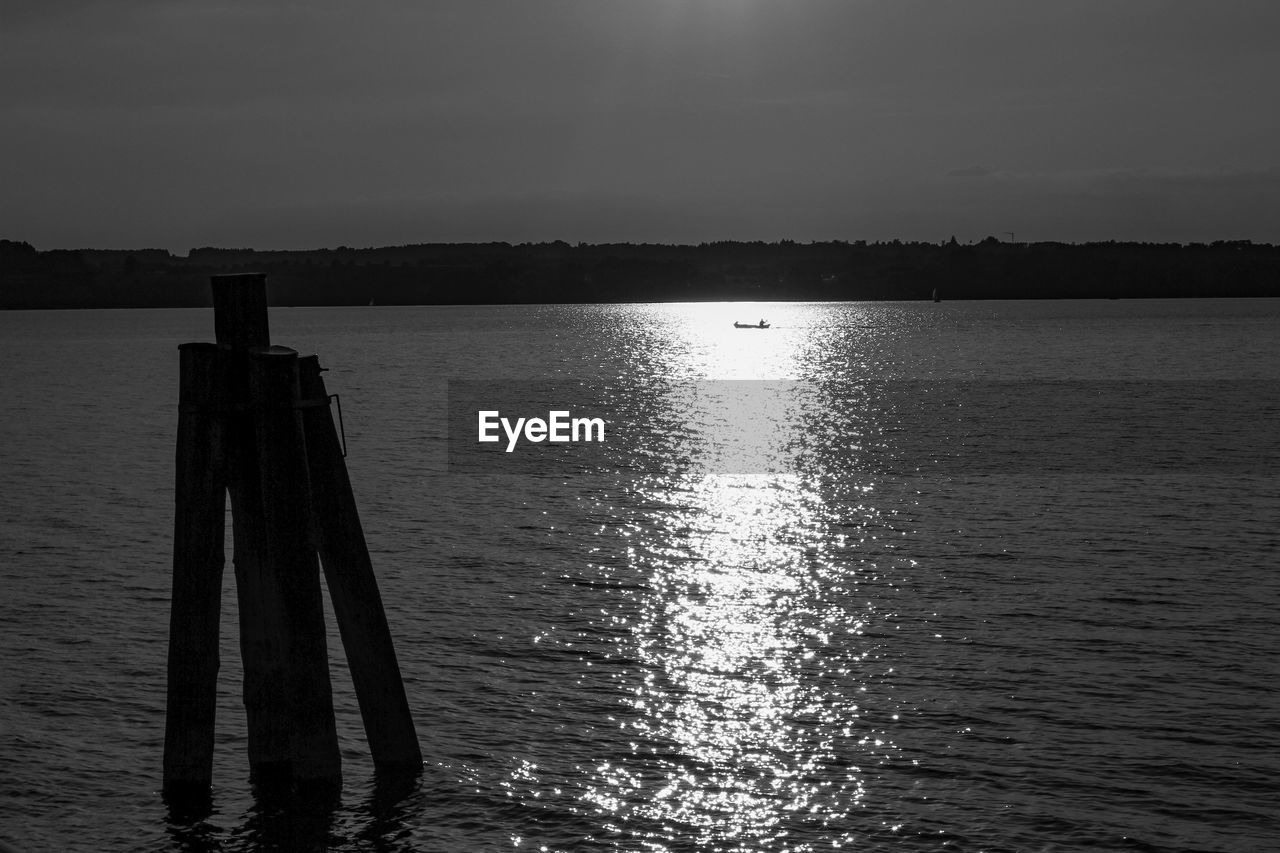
500	273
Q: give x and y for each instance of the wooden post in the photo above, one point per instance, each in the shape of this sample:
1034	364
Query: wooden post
240	322
353	589
298	609
251	425
262	638
198	530
240	310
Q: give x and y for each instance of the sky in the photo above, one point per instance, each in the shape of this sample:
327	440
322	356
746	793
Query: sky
316	123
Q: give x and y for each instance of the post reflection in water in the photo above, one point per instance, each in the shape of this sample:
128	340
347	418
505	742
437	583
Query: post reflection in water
284	819
748	714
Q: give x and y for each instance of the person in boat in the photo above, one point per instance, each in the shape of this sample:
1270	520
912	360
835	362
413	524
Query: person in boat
762	324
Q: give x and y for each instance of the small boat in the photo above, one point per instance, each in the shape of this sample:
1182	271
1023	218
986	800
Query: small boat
761	325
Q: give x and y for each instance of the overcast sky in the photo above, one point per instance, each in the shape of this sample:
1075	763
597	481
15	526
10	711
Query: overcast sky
310	123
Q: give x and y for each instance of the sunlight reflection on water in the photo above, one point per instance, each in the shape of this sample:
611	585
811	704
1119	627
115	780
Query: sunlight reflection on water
745	722
740	701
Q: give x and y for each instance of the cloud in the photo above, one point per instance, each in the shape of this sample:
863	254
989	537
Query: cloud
1111	181
25	14
1233	180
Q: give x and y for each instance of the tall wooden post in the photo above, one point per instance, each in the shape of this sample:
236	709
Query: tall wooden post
240	324
254	425
197	573
240	311
262	640
292	569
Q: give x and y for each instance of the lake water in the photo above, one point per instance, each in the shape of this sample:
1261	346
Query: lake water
886	576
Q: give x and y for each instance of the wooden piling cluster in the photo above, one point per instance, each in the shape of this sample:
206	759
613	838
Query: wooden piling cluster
254	423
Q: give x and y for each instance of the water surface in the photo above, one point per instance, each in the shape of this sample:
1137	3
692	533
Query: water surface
967	576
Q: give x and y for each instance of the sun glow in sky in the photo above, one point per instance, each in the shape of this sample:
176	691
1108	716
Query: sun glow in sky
303	125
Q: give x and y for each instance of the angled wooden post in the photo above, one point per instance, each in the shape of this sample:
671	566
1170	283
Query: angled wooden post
353	589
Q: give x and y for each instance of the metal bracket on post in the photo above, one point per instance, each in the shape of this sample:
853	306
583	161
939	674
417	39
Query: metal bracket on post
342	430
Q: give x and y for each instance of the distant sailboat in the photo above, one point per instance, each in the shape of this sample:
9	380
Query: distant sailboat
936	298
